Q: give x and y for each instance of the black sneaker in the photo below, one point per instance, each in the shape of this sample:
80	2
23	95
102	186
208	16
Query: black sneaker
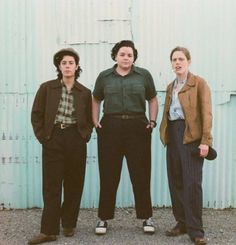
148	226
101	227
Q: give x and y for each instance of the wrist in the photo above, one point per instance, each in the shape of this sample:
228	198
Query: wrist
153	123
95	124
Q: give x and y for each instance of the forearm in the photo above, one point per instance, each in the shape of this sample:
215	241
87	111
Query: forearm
95	111
206	115
153	108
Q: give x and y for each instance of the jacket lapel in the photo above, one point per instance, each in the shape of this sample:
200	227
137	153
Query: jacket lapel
55	96
190	83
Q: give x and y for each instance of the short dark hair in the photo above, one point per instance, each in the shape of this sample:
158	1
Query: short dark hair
124	43
58	56
182	49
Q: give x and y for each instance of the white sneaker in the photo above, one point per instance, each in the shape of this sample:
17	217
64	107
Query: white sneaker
148	226
101	227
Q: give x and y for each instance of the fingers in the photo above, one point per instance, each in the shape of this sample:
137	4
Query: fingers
203	150
98	125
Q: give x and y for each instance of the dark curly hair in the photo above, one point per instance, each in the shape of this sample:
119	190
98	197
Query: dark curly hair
58	58
123	43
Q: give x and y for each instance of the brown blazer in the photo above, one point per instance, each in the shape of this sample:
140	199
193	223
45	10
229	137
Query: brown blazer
195	99
46	104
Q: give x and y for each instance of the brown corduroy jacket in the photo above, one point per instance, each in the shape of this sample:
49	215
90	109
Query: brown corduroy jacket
46	104
195	99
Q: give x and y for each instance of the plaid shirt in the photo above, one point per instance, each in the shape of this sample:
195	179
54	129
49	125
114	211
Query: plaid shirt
66	111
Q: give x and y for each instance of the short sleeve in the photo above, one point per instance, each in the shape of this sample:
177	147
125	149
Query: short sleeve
149	86
98	91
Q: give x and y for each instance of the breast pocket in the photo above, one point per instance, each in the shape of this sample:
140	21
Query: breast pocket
112	98
135	89
136	94
110	90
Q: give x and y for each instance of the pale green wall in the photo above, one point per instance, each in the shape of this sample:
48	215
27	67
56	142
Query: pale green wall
31	32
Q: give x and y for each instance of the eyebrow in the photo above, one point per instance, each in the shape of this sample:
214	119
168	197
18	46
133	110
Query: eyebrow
180	58
126	53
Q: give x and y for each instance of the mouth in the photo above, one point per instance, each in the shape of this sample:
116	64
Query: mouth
177	68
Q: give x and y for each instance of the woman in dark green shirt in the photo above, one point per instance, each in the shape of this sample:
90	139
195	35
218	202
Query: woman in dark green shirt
124	131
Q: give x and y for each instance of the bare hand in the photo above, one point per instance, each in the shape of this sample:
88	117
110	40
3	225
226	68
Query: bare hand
150	125
204	149
97	125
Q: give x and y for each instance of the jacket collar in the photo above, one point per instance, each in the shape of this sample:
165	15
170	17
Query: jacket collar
57	84
191	82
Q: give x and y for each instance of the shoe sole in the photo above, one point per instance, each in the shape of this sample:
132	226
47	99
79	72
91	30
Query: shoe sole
38	241
149	230
100	231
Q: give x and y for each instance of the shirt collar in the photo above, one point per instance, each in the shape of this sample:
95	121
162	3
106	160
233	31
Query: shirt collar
115	72
63	84
180	82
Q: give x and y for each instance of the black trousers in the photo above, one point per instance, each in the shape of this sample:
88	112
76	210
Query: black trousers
185	180
64	161
117	139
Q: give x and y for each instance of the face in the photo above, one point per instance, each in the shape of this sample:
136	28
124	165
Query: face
68	66
125	58
179	63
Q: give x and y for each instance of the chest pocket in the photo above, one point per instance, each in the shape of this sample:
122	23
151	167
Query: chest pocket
112	99
135	89
110	90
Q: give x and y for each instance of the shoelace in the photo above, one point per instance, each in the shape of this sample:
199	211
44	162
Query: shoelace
149	222
101	223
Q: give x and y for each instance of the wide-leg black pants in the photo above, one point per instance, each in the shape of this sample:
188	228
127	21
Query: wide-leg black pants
129	138
64	161
185	180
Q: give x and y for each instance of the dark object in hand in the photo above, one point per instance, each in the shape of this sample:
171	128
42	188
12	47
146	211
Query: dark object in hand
212	154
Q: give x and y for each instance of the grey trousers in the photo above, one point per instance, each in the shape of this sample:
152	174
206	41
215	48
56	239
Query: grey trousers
185	180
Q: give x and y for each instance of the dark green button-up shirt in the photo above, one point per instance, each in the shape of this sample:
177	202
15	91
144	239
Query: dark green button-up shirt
124	94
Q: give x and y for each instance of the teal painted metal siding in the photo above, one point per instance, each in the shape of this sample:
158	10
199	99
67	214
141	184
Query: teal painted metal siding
31	31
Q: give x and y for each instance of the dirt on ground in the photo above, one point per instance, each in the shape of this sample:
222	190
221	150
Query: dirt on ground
18	226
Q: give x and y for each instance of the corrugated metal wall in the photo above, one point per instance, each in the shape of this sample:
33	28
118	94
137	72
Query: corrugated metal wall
31	32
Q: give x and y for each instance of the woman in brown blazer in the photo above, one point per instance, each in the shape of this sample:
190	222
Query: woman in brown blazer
186	126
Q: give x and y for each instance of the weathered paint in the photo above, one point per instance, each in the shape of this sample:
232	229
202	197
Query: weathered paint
31	32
